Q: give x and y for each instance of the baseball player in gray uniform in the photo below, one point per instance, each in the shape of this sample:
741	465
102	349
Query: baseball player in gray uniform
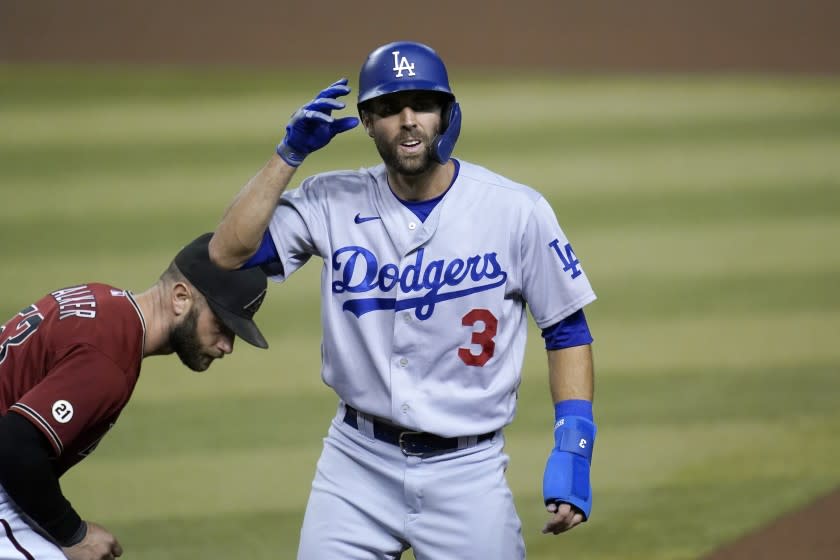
428	265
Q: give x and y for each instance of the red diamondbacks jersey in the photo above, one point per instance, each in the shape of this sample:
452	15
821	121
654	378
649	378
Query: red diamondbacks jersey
69	363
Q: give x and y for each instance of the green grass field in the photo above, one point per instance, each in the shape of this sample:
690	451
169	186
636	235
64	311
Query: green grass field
706	211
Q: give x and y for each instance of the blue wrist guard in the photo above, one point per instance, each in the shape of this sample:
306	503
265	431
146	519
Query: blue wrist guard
566	477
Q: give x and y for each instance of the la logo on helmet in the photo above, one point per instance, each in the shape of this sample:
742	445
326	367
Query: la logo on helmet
400	64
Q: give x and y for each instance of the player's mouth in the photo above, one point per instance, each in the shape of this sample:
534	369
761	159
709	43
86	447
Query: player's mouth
411	146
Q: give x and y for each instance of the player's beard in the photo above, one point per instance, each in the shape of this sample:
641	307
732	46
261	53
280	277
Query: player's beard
183	339
414	165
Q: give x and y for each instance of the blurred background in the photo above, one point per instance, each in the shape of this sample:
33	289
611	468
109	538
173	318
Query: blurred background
690	151
604	35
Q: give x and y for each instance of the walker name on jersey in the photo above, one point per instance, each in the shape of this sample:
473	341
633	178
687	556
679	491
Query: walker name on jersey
360	272
77	301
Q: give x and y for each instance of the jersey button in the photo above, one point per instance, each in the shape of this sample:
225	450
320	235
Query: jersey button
403	362
405	408
407	317
412	226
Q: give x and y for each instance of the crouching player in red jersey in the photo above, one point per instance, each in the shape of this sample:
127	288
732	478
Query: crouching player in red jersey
68	365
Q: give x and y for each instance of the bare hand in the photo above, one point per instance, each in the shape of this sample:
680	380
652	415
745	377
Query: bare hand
98	544
564	517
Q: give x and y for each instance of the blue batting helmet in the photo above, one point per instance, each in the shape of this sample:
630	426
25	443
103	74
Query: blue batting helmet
409	66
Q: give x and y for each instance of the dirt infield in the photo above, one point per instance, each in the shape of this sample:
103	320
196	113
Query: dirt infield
807	534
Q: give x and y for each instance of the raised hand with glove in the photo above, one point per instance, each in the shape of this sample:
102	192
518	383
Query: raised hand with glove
313	126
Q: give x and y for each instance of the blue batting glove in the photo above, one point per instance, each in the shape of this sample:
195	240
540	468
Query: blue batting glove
313	126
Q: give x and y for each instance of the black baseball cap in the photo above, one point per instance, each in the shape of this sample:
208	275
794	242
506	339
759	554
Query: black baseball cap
233	295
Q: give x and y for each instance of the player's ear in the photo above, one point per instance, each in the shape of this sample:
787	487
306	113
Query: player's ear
366	122
181	298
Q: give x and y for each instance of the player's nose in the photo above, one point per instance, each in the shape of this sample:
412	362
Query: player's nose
408	117
225	343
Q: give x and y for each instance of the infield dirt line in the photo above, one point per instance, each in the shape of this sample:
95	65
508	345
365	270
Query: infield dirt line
809	533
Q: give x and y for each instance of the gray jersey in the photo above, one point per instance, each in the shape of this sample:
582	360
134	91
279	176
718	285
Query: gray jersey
424	322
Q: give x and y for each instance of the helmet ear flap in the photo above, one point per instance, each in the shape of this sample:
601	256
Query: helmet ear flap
450	128
446	115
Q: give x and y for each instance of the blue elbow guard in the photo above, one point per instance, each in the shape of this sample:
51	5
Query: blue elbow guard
566	477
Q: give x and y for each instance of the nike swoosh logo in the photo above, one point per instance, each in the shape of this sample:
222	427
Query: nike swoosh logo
360	220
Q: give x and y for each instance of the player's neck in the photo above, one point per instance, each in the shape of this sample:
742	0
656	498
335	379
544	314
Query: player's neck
425	186
157	328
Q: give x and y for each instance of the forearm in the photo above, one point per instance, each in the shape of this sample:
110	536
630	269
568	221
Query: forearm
566	478
241	230
27	476
571	373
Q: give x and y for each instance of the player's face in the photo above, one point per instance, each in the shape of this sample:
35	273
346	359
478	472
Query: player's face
200	338
403	125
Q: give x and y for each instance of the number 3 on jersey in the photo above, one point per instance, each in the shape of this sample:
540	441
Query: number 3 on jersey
482	338
12	334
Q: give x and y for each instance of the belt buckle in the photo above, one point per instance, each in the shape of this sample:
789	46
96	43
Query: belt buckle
403	444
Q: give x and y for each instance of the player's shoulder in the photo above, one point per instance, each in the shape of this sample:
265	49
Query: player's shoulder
100	307
99	316
343	181
481	178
